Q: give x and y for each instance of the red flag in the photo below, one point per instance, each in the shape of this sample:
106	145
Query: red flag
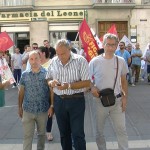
5	41
88	41
112	30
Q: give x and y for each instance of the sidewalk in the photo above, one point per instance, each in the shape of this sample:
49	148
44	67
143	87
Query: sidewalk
137	122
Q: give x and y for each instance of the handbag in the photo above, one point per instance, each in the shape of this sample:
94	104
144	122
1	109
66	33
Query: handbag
107	95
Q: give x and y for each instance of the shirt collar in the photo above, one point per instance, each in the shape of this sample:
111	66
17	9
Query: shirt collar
72	57
41	70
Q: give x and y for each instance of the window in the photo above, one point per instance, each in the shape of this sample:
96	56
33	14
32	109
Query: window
13	2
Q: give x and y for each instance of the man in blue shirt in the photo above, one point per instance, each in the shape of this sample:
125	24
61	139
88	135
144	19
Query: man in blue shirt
123	53
136	55
33	102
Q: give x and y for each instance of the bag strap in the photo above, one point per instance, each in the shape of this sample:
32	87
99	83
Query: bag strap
116	73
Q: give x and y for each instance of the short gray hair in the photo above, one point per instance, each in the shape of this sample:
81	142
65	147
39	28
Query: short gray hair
110	36
63	42
34	52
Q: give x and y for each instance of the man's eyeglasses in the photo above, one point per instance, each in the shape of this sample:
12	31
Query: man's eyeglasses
110	45
121	45
35	47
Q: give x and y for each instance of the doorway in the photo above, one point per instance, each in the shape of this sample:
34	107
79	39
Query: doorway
121	27
21	43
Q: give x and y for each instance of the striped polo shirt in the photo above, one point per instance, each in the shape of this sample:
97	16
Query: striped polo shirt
75	70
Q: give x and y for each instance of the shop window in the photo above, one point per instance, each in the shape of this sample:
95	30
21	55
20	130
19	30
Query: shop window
13	2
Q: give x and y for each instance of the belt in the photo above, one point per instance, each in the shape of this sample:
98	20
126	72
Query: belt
119	95
76	95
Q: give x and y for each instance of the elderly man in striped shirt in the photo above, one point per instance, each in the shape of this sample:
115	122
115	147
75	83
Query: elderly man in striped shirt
68	76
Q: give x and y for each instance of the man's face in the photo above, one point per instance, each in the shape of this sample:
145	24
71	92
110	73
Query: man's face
137	45
28	49
46	44
129	47
34	47
17	50
122	46
110	46
34	60
63	54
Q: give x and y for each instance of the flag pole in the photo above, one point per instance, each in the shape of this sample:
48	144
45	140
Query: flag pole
76	36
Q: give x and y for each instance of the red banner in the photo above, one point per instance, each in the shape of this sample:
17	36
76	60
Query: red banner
5	41
88	41
112	30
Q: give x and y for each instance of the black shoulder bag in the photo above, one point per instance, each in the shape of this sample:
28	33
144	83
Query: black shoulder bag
107	95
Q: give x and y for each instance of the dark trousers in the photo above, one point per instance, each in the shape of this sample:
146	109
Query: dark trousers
70	119
49	124
148	73
17	75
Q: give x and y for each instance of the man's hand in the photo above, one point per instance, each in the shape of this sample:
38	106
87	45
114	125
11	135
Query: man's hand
63	86
53	83
50	112
20	112
95	91
124	103
6	83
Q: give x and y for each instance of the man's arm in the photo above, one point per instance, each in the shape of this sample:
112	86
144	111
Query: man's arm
20	100
129	60
4	84
64	86
125	92
51	109
12	65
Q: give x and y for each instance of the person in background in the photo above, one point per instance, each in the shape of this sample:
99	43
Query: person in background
6	83
100	51
33	102
7	56
136	55
34	47
102	73
129	75
122	52
16	66
68	76
45	62
25	56
51	50
147	61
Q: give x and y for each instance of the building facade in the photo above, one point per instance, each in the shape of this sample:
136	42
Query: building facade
29	21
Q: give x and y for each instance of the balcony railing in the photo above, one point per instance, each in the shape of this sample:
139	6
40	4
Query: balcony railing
146	1
16	3
114	1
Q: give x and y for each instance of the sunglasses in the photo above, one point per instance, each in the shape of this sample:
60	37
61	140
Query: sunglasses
35	47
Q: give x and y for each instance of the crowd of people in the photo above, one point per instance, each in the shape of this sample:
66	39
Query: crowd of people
54	81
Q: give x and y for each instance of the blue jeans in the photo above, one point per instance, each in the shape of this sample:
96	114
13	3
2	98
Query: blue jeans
17	75
118	119
70	118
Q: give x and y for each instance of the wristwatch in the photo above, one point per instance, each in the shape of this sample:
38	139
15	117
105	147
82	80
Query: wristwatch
69	86
52	106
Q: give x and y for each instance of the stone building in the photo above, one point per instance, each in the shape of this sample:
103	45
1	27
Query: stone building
28	21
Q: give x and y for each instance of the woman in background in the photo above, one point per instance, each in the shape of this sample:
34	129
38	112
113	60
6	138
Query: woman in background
45	62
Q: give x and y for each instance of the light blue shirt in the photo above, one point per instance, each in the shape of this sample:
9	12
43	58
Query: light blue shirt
126	55
136	60
103	72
